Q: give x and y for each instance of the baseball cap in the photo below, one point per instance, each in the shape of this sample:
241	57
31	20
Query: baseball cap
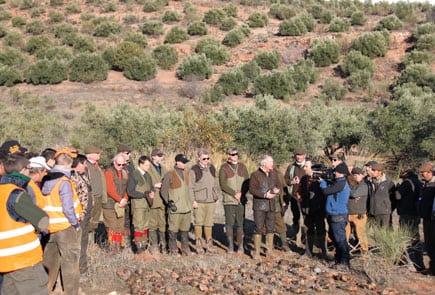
38	162
12	147
181	158
357	170
66	150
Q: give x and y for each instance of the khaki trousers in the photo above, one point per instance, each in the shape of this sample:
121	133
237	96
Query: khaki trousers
360	229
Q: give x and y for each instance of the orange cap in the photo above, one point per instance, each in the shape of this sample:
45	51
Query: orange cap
68	151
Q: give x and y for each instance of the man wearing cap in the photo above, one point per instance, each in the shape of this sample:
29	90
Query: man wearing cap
115	202
292	177
233	180
12	146
98	186
263	186
176	193
427	211
63	206
357	207
20	263
383	196
38	169
337	197
407	195
205	193
157	224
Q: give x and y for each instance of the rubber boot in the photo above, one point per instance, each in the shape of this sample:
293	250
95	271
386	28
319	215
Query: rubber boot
309	245
321	241
127	244
199	246
153	241
185	250
239	239
269	244
257	246
209	240
284	247
172	243
162	241
230	237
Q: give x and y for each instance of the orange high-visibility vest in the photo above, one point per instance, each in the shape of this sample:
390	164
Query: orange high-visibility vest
53	207
39	197
19	244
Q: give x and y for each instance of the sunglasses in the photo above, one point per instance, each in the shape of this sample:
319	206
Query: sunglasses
234	154
121	165
205	159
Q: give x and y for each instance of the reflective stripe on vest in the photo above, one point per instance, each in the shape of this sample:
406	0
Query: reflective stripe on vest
19	244
54	210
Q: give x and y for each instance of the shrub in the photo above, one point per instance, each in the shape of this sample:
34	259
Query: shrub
213	95
205	42
87	16
47	72
316	10
230	9
423	29
54	52
151	6
176	35
324	52
108	7
137	38
165	56
359	80
56	2
268	60
251	70
257	20
140	68
292	27
417	57
303	73
308	20
5	15
197	28
11	57
191	12
276	83
13	40
3	31
130	19
72	8
216	53
372	44
36	43
18	21
170	16
355	61
152	27
227	24
214	16
83	43
326	17
109	56
9	76
87	67
390	22
37	12
233	81
55	16
123	52
62	30
195	67
358	18
281	12
35	27
107	28
420	74
426	42
234	37
332	90
339	24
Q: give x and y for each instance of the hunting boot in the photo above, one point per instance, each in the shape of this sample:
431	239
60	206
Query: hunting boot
185	250
239	240
284	247
162	241
257	246
172	243
154	243
309	245
199	246
230	237
321	242
209	240
126	243
269	244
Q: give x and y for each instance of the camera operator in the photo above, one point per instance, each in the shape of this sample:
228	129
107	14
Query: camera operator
337	193
313	210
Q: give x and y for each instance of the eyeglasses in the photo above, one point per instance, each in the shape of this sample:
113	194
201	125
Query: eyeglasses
205	159
127	153
120	165
234	154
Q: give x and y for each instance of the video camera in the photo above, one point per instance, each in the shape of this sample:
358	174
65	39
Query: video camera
320	171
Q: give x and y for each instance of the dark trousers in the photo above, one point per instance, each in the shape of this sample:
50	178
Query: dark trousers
234	216
315	223
429	241
337	232
264	218
296	211
84	225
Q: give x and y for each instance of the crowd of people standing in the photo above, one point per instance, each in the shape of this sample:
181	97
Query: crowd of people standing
53	204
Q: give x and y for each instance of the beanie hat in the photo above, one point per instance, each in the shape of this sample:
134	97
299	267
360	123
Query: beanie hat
342	168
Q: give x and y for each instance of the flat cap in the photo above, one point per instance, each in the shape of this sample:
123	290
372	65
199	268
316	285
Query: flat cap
91	149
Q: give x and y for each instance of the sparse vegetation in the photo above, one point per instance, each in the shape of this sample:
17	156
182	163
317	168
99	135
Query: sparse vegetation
195	67
165	56
324	52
